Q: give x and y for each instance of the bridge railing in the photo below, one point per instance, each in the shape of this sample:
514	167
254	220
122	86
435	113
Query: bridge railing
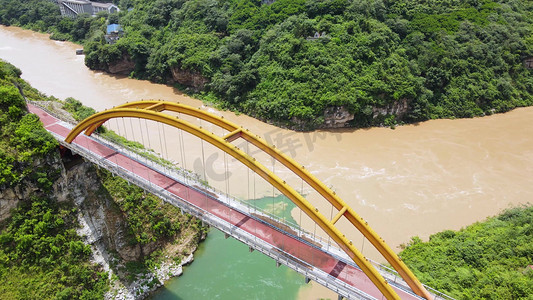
277	254
63	117
188	177
245	206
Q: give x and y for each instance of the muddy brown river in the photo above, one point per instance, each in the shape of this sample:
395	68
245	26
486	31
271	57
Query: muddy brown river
414	180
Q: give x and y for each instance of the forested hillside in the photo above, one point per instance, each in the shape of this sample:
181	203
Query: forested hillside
487	260
41	255
289	61
43	197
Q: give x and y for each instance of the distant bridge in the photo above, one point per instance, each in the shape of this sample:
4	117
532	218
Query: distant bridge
344	270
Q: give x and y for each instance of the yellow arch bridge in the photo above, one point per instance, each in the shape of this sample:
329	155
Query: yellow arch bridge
154	110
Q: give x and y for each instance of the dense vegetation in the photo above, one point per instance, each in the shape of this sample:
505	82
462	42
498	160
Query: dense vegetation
414	60
23	140
41	256
486	260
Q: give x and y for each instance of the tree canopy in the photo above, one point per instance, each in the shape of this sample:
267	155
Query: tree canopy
23	140
384	61
486	260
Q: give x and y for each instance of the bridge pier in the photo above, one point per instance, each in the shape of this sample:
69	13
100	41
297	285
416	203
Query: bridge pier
278	264
226	235
307	279
250	249
340	297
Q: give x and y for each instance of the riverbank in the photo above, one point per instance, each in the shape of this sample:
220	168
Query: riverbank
305	66
308	66
142	285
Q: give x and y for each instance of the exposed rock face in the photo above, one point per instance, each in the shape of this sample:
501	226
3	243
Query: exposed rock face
101	220
398	108
528	62
80	184
189	78
9	199
124	66
102	226
337	117
11	196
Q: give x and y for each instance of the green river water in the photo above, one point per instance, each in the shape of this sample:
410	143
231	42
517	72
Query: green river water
225	269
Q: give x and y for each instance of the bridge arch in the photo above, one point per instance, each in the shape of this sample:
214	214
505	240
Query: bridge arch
152	110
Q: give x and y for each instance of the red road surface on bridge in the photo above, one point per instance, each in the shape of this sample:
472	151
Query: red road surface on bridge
304	252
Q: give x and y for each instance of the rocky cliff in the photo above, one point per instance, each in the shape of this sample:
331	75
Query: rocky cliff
58	212
11	196
528	62
123	66
106	228
337	117
189	78
102	222
398	108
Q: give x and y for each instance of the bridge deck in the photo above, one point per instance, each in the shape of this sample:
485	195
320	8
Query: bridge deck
311	255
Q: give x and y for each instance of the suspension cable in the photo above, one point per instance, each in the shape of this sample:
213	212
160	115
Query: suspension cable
248	177
161	146
125	129
165	142
125	133
133	134
301	193
205	174
273	171
226	175
184	162
144	145
116	151
148	138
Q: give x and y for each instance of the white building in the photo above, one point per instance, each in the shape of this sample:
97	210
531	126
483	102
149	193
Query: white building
109	7
72	8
